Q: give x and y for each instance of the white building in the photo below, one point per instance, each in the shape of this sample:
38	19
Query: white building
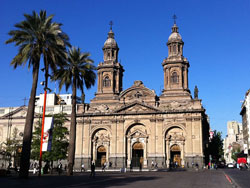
233	140
245	113
14	117
55	103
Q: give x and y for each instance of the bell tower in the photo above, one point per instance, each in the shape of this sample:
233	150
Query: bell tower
110	71
175	68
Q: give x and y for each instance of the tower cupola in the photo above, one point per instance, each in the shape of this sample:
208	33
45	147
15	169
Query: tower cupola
110	48
175	43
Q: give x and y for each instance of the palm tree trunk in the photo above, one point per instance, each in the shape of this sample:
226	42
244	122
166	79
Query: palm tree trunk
27	136
72	136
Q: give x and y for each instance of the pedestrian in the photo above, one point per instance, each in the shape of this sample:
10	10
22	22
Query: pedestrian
34	170
131	167
152	164
82	168
92	174
103	167
59	168
140	165
156	165
110	164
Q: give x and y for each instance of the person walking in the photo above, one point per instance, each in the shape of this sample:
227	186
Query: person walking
92	174
59	168
140	165
82	168
152	164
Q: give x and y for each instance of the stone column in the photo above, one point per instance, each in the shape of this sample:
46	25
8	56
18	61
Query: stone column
107	153
94	151
101	82
167	152
129	152
145	153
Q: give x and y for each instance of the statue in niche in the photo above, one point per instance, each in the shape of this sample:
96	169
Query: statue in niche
196	91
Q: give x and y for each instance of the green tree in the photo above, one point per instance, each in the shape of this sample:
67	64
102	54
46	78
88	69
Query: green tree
59	140
12	145
77	72
235	152
216	146
38	38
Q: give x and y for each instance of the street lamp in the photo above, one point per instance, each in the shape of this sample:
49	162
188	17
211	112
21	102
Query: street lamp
45	83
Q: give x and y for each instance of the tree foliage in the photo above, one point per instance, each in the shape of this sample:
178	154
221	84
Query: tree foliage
37	37
12	145
59	140
77	73
235	152
216	146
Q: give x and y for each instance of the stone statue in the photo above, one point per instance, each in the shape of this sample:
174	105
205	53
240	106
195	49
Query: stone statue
196	91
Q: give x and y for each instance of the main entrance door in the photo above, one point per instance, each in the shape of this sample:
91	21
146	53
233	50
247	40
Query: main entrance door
137	154
176	155
101	156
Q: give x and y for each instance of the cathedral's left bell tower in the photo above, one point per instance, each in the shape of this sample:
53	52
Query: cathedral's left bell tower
110	71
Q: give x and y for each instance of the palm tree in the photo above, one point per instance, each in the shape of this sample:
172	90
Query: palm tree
77	72
38	38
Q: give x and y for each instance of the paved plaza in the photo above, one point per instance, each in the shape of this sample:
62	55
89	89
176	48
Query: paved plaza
179	179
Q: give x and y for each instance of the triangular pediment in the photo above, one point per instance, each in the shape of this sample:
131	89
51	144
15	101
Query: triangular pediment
137	107
137	134
20	112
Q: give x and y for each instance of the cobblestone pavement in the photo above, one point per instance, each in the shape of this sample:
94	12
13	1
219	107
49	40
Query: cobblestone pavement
178	179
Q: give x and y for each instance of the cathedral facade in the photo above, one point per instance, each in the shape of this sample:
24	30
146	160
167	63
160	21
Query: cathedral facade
133	127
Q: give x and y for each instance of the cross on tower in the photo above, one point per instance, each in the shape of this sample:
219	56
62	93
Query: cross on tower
25	99
174	17
111	23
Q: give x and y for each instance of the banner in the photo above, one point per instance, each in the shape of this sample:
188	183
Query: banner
47	134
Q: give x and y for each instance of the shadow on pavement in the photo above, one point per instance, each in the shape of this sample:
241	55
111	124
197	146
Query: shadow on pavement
78	180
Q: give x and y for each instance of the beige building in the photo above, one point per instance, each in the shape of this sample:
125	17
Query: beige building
233	140
245	113
135	126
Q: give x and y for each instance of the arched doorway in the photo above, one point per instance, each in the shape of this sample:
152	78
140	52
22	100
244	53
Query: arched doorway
101	156
137	154
175	154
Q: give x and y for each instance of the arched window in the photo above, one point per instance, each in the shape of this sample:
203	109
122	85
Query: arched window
106	82
174	78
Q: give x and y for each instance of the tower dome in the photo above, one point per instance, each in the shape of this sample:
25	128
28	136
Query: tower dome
110	42
110	48
175	35
175	43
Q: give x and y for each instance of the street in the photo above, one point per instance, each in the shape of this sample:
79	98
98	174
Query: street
178	179
239	177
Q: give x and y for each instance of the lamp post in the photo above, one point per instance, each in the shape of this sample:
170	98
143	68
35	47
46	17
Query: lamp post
44	109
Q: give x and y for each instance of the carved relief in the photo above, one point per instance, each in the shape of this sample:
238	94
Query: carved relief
175	134
101	137
179	105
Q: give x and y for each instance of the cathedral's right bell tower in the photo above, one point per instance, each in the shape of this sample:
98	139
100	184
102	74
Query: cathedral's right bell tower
175	68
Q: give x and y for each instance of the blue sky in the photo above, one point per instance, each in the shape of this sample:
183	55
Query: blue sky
216	36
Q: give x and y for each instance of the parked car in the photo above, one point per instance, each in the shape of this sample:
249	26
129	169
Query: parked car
230	165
